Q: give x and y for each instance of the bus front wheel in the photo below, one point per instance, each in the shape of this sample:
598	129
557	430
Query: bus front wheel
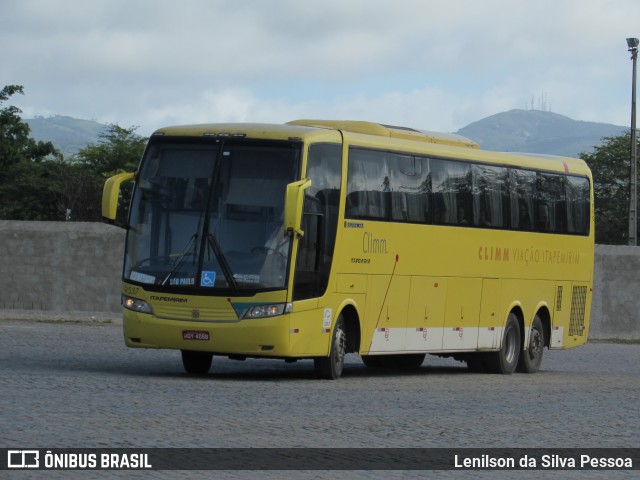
505	360
330	368
197	363
531	358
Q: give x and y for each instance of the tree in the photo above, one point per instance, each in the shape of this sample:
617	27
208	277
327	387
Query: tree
610	166
15	144
37	184
119	150
26	174
33	192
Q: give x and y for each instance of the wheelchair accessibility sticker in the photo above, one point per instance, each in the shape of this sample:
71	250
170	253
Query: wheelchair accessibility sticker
208	279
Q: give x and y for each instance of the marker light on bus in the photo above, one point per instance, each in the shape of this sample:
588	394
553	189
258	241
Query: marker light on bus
272	310
136	305
225	135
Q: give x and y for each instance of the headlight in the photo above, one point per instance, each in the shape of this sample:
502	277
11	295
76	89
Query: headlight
136	305
263	311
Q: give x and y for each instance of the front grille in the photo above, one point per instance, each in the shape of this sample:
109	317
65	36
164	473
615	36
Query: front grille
175	312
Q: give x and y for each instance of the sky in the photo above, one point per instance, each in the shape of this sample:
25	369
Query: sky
428	64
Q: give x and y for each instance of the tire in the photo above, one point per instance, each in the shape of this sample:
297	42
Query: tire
197	363
506	359
330	368
531	358
410	361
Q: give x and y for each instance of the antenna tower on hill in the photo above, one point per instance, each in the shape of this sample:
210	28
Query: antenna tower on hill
541	103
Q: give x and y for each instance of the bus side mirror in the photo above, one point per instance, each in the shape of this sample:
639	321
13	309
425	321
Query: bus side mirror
293	205
110	194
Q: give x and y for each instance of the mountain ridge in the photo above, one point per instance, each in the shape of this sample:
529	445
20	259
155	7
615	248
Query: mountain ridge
68	134
537	131
530	131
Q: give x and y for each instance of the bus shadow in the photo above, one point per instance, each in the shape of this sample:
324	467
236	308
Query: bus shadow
224	369
306	372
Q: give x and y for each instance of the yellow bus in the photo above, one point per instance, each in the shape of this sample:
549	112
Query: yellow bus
318	238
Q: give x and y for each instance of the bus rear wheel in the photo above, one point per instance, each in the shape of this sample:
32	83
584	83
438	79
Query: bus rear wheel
531	358
330	368
197	363
505	360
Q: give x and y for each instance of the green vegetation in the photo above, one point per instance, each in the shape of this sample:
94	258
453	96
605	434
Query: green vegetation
610	165
37	183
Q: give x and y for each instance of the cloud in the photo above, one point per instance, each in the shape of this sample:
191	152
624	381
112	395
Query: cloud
434	65
429	108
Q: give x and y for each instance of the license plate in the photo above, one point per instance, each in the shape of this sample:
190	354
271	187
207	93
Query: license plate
195	335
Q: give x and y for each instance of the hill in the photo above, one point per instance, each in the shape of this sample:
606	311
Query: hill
531	131
67	134
536	131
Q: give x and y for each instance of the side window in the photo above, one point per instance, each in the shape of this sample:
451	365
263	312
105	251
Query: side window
407	188
578	205
451	192
522	196
551	203
490	197
368	185
410	188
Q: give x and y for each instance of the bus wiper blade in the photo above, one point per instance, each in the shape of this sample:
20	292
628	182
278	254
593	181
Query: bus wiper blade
226	269
190	246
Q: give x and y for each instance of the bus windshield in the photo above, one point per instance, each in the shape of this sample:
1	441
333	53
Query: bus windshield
208	215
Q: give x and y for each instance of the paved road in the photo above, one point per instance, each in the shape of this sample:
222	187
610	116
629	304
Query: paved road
77	385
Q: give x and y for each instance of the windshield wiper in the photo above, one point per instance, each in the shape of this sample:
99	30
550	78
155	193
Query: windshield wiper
209	239
226	269
190	246
217	251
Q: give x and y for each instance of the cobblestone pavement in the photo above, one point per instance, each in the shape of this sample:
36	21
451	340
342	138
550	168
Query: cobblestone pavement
76	385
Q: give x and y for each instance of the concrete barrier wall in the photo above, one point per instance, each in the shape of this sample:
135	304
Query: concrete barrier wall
615	310
71	270
60	269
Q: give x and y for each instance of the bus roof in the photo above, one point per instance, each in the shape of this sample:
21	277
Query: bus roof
380	136
441	143
243	130
379	129
257	130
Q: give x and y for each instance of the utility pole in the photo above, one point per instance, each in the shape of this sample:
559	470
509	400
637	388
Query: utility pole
632	43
